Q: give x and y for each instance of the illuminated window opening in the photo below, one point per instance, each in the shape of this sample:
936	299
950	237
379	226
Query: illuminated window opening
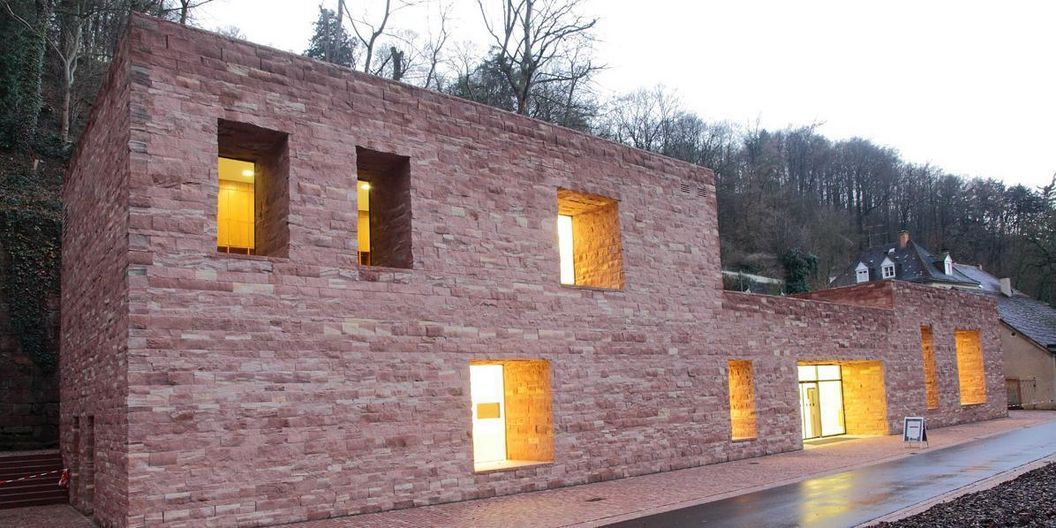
742	400
234	206
383	195
511	413
363	222
971	371
565	245
252	201
589	246
931	375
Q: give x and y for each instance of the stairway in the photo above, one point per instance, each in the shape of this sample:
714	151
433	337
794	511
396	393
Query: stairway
31	492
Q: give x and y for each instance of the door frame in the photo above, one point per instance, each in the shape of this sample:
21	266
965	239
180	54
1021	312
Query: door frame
816	382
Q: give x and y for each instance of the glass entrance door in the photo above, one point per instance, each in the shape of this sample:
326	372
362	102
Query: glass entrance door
821	400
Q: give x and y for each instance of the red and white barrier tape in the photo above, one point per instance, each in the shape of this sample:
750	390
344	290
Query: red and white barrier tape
62	478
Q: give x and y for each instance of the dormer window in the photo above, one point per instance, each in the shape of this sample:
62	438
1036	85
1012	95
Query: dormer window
887	269
861	273
948	265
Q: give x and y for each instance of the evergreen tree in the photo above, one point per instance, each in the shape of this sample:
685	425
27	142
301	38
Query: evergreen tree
330	42
799	267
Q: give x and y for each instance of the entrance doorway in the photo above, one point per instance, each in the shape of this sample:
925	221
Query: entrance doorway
821	400
1015	394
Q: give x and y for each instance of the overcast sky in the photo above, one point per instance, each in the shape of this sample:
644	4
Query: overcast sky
968	86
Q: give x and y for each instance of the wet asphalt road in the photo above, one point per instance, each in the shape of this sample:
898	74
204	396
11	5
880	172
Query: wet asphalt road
861	495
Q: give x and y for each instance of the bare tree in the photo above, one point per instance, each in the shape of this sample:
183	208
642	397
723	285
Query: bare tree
642	118
435	47
369	33
534	40
76	22
68	48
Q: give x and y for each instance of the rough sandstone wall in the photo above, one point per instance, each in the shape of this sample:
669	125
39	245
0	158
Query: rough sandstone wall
270	390
946	311
776	333
876	294
264	390
93	363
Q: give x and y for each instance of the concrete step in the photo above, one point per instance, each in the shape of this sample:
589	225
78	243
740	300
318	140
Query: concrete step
16	455
41	484
32	462
37	491
26	471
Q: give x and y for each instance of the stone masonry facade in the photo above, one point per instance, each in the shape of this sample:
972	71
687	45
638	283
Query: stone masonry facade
208	389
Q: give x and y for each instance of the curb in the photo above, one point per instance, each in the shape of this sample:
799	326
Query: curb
621	517
977	486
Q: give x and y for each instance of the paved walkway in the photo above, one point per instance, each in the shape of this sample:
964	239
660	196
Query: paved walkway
635	497
625	499
859	496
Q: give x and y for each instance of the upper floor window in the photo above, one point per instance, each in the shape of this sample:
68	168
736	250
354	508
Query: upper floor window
588	236
887	269
861	273
383	193
252	202
948	265
234	206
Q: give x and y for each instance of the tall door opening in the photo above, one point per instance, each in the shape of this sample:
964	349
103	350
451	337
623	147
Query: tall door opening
88	465
1015	393
489	413
821	401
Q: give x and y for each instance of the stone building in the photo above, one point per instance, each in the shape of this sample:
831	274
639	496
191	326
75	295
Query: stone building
292	291
1028	341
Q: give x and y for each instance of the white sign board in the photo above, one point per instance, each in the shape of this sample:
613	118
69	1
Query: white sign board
914	429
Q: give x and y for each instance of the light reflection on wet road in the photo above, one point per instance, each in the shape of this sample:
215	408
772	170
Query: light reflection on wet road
857	496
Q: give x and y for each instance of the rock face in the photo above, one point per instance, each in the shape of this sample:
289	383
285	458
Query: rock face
29	395
299	384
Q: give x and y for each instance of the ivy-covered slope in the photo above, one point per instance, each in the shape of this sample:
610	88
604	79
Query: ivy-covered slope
30	232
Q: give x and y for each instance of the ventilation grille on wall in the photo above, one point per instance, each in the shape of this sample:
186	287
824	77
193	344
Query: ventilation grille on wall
687	189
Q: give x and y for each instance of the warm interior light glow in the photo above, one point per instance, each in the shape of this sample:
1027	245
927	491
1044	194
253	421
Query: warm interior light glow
931	374
742	400
971	370
489	431
235	205
363	224
821	400
831	393
565	249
